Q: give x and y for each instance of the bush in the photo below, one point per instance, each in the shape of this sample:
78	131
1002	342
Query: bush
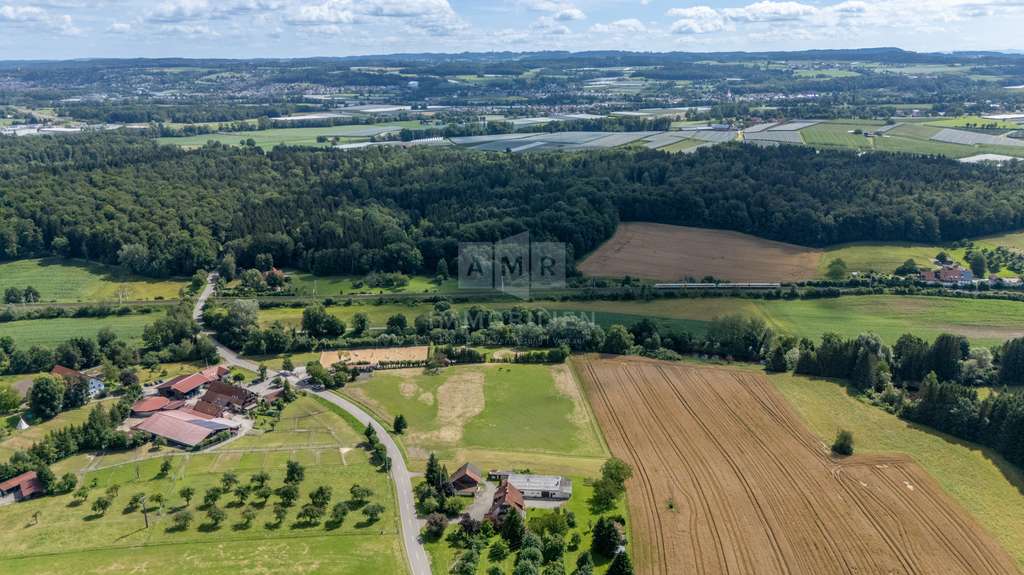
843	445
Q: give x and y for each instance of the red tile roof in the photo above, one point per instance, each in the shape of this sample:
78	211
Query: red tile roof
27	483
186	384
67	372
215	372
150	404
506	497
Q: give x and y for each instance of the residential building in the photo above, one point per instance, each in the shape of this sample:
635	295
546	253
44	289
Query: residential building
95	384
948	274
229	397
507	499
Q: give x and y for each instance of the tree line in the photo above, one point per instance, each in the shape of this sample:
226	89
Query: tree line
160	211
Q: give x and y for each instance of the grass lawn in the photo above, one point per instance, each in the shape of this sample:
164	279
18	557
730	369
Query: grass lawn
839	134
884	257
68	281
24	439
67	535
473	412
305	423
284	136
308	284
991	489
50	332
963	121
377	314
1013	240
984	322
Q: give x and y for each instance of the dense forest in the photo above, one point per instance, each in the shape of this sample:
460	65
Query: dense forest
160	211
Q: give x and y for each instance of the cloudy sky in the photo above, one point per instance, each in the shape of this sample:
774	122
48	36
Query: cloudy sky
57	29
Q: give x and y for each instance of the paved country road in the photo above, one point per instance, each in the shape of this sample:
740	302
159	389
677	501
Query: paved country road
419	563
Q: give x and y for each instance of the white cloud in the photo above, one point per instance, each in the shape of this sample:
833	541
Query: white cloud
570	14
549	26
431	16
31	15
697	20
326	13
770	11
119	28
561	9
194	10
625	26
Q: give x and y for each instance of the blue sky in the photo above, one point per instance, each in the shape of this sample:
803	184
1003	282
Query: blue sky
57	29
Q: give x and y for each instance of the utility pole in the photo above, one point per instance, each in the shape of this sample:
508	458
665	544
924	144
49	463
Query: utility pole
145	514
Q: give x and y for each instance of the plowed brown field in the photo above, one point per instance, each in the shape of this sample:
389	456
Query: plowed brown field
671	253
755	492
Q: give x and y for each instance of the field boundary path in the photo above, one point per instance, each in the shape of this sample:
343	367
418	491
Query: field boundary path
416	555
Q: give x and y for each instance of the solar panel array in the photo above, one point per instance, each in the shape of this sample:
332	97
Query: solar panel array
787	137
966	138
715	136
797	125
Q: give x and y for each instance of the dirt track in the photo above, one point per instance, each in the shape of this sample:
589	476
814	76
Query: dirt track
671	253
755	492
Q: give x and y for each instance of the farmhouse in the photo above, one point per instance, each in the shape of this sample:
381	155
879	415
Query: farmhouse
948	274
466	480
21	487
229	397
184	427
549	487
507	499
96	386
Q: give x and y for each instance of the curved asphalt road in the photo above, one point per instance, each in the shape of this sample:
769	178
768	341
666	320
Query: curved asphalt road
419	563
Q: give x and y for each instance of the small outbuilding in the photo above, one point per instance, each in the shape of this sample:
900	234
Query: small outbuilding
466	480
21	487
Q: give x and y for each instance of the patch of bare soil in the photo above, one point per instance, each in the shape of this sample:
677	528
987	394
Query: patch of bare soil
672	253
459	399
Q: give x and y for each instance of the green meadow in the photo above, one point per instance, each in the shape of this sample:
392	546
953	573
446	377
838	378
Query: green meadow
54	534
307	284
281	136
494	415
70	281
50	332
884	257
988	487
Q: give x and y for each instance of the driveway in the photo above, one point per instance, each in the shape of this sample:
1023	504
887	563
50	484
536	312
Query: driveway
419	563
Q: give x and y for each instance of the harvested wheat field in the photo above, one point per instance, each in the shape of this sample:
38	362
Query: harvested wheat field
374	355
729	481
672	253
